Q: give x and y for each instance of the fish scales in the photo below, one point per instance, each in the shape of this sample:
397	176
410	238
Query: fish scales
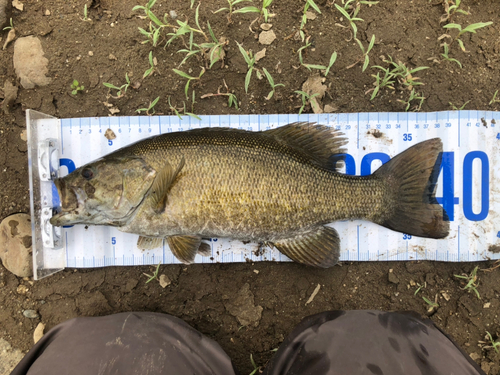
247	186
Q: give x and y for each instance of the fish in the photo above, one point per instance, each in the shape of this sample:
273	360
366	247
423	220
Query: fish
277	188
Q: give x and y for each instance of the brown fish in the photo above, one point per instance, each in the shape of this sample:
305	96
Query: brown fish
277	187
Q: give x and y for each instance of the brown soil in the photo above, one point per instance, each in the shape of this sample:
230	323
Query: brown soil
408	31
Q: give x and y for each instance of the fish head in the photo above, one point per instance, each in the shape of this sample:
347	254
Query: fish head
104	192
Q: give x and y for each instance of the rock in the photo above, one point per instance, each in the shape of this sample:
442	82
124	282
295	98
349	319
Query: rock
10	93
29	62
9	357
330	108
243	307
15	244
392	277
38	334
5	13
18	5
31	314
310	15
261	54
475	356
10	37
173	14
266	26
267	37
164	281
22	289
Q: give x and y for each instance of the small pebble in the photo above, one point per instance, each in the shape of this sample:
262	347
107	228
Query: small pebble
173	14
47	12
22	289
38	334
31	314
91	53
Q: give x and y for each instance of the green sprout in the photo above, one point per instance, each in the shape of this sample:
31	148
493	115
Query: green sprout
494	100
471	280
189	78
271	82
151	69
154	275
494	343
215	48
177	111
232	3
364	57
419	288
312	4
430	303
455	108
413	96
452	9
333	58
307	99
447	58
256	369
150	108
184	28
250	60
469	29
85	14
9	27
122	90
75	87
231	98
352	19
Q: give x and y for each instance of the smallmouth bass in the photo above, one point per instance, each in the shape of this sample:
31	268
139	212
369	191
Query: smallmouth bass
278	187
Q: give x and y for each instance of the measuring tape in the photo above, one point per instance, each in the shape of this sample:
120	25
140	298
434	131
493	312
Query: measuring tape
468	185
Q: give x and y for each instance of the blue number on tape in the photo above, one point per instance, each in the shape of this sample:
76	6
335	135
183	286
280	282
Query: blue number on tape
407	137
113	240
485	185
448	169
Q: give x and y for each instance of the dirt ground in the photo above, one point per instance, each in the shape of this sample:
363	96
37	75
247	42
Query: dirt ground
106	47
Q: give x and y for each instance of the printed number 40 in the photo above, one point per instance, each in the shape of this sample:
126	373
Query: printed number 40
407	137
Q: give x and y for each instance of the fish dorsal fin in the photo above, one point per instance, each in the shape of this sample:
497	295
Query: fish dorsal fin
184	248
319	142
149	243
205	249
161	185
319	247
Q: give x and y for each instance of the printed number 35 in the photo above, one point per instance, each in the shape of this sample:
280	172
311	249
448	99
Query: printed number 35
407	137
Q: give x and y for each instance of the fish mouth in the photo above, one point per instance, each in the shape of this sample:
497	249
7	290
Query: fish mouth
69	213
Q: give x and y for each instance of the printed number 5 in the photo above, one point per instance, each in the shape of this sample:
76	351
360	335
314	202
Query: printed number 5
407	137
113	240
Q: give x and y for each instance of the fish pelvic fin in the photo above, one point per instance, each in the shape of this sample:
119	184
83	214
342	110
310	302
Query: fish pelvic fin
410	178
162	184
319	247
185	248
149	243
319	142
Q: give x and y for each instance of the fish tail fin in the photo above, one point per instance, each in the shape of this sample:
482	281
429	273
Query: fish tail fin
411	178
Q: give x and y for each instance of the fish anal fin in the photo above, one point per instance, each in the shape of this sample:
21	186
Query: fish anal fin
320	142
205	249
184	248
162	183
149	243
319	247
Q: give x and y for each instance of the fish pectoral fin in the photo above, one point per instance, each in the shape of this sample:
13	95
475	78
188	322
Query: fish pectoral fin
319	247
162	183
149	243
184	248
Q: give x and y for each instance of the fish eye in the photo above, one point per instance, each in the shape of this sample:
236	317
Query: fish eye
87	173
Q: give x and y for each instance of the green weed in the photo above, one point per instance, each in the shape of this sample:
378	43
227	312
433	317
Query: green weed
333	58
250	60
494	343
75	87
150	108
189	78
154	275
494	99
307	5
271	82
469	29
9	27
471	280
256	369
455	108
306	99
232	3
447	58
451	7
151	69
231	98
413	96
353	6
430	303
364	57
122	90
